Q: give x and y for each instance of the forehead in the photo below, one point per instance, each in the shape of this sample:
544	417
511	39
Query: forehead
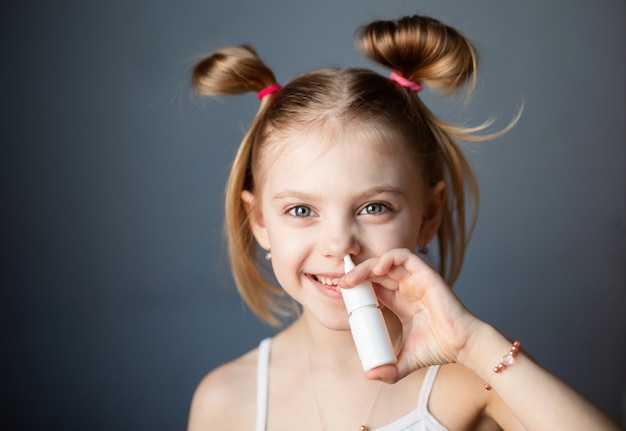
319	138
326	160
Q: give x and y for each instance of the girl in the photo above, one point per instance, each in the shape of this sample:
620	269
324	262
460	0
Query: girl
348	162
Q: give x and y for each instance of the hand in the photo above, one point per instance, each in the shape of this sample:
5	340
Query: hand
435	324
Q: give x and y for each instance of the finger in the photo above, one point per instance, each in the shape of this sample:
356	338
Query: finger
399	258
358	274
389	373
385	373
377	269
395	274
396	303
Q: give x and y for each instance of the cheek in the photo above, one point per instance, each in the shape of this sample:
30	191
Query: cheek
286	265
402	233
287	240
289	250
379	243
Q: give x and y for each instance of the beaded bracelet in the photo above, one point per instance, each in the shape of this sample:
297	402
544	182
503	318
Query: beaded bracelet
507	360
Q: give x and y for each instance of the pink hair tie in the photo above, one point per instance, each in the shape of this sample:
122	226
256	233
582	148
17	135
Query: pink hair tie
268	90
405	82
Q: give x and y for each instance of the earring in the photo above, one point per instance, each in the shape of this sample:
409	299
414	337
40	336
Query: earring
423	249
268	255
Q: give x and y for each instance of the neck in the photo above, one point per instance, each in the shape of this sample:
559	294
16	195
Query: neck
333	362
324	344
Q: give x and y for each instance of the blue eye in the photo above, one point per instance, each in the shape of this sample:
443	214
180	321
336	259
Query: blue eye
373	208
300	211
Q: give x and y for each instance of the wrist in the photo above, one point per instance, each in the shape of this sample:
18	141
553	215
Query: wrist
484	348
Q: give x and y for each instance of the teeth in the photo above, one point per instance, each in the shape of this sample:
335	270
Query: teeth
327	281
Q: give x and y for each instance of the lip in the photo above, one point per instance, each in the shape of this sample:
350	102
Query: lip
330	291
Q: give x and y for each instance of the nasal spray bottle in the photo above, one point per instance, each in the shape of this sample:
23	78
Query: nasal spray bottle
367	324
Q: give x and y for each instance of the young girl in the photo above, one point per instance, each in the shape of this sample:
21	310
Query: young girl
348	162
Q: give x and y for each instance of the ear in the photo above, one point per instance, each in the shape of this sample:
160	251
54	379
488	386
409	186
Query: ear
433	212
255	219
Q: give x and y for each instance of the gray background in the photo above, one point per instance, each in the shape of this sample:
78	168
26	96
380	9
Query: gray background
116	294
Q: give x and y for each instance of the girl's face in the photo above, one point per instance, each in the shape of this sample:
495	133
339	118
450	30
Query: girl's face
322	199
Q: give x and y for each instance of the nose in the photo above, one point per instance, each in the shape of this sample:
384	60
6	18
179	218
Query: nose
339	236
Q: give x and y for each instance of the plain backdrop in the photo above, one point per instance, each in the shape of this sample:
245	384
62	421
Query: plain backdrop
116	294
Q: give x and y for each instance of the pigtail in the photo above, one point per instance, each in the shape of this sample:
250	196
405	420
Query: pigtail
422	50
429	53
229	71
232	70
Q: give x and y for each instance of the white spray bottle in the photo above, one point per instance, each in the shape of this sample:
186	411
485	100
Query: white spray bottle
367	323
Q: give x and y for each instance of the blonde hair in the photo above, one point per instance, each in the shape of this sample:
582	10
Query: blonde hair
420	49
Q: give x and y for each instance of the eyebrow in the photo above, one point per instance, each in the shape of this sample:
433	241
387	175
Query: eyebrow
365	195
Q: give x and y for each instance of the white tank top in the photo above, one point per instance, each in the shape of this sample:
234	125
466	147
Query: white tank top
419	419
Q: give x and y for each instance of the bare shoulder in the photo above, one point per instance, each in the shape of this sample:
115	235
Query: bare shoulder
225	399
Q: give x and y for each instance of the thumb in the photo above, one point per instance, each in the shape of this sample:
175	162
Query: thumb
385	373
390	373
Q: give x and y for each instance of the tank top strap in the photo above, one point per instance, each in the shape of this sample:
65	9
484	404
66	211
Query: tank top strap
262	384
427	386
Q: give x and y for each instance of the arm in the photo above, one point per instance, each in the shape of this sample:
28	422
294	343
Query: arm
438	329
537	398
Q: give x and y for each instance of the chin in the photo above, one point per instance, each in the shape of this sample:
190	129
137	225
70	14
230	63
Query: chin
335	321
